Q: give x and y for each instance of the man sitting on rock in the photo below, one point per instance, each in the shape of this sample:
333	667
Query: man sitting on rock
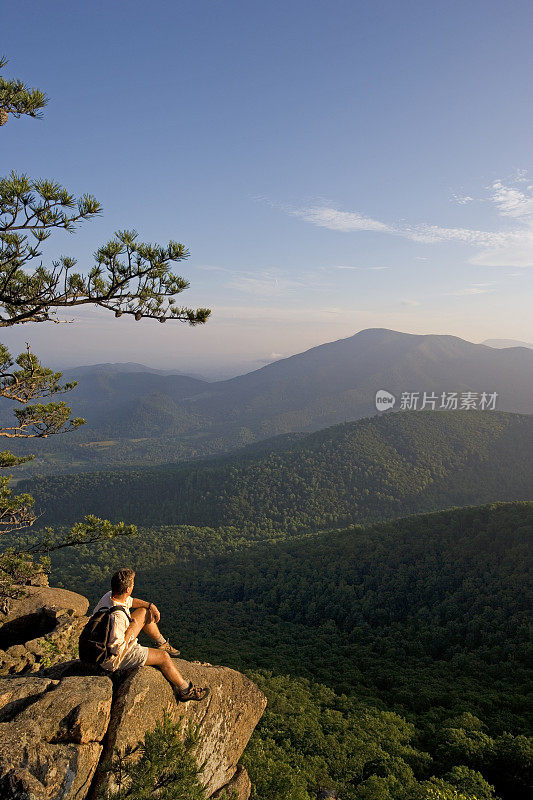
139	616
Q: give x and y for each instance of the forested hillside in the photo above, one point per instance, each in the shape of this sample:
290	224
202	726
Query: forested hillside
140	417
376	468
426	616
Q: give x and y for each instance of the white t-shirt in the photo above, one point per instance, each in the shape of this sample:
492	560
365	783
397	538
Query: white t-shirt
119	626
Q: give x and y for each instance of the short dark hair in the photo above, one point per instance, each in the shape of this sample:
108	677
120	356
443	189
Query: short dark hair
122	580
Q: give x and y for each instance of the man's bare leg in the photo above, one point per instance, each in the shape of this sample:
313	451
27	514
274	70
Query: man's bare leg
162	660
142	621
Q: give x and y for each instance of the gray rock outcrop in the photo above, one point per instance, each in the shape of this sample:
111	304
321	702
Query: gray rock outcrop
225	720
59	722
51	734
40	628
240	786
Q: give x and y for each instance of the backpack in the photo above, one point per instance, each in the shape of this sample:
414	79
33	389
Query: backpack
93	643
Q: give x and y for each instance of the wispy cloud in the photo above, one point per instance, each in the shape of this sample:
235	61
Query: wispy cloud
358	268
294	315
514	251
475	288
462	199
411	303
511	202
335	220
263	282
509	248
265	285
212	268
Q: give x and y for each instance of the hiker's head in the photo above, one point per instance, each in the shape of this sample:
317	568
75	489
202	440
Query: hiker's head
122	580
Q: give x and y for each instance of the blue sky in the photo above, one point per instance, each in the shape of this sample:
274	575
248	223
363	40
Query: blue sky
330	165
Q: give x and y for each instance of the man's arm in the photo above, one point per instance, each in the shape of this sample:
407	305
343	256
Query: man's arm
136	603
131	632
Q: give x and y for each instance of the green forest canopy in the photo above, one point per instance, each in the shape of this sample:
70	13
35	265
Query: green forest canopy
425	616
376	468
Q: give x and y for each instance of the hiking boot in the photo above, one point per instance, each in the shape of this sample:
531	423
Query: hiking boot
166	647
191	693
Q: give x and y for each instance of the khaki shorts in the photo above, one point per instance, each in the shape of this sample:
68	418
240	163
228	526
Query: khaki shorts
135	657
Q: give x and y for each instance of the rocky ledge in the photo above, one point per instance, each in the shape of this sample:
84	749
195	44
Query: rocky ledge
58	722
40	627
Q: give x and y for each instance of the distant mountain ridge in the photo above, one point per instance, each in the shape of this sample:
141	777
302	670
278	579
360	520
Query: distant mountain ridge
121	366
338	380
503	343
145	417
